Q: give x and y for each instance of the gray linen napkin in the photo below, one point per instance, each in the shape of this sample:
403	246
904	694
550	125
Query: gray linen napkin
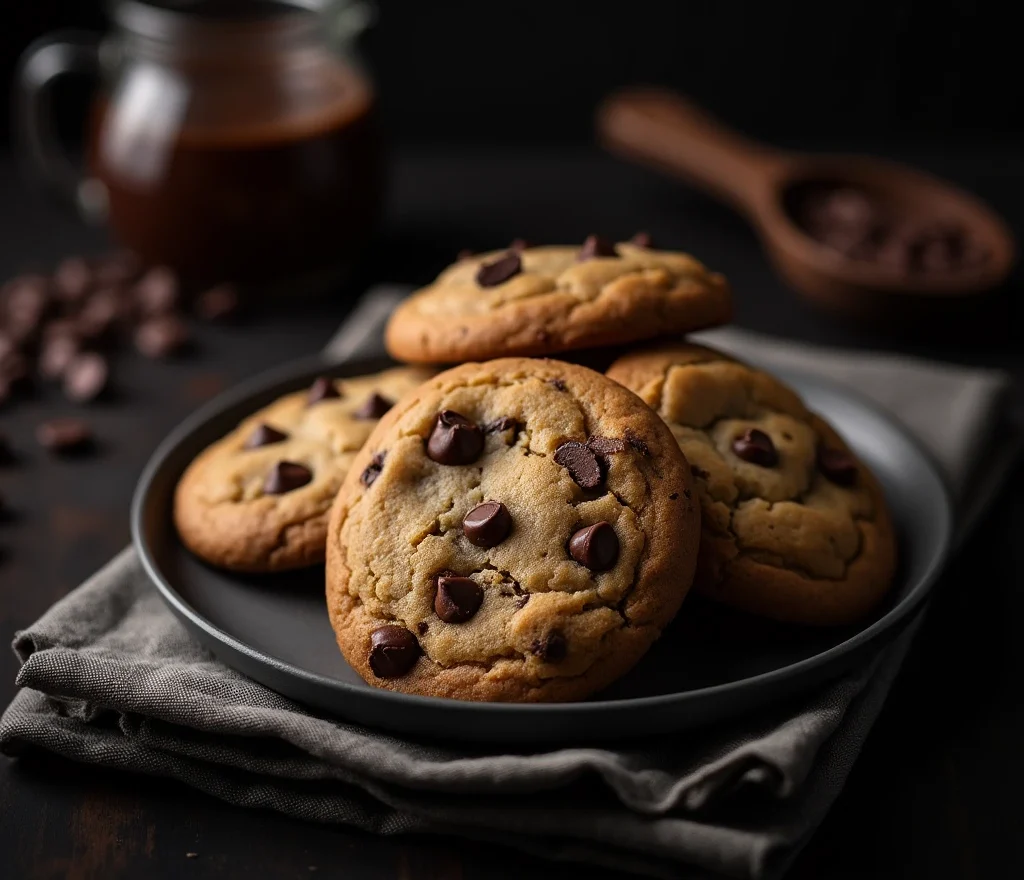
111	678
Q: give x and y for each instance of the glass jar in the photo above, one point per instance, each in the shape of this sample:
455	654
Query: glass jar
229	139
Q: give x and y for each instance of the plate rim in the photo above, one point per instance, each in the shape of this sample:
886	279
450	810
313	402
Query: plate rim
883	629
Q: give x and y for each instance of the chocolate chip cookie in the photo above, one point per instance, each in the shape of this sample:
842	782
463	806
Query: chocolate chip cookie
516	530
543	300
794	527
258	500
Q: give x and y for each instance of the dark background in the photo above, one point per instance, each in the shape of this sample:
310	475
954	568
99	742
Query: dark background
532	70
936	792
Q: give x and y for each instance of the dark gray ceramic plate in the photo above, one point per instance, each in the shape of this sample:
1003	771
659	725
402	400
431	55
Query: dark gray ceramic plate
711	664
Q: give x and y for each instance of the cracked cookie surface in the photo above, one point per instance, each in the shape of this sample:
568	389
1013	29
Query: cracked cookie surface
515	530
793	526
258	499
543	300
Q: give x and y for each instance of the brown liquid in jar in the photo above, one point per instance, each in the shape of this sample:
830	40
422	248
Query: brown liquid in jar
252	189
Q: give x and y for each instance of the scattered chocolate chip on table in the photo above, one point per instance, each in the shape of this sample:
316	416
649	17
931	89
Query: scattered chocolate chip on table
65	436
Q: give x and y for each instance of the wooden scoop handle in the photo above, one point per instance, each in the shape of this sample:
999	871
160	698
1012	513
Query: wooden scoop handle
663	129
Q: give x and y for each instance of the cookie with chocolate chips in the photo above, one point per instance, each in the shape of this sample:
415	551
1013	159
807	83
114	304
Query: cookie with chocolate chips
519	530
794	526
258	500
543	300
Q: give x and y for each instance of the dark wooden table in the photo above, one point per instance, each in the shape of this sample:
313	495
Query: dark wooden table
936	791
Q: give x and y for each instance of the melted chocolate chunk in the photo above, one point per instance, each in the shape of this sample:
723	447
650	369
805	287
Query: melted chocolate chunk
373	407
393	651
499	271
642	240
322	388
454	439
581	463
756	447
286	476
487	524
596	246
372	470
552	648
837	465
457	598
596	547
264	435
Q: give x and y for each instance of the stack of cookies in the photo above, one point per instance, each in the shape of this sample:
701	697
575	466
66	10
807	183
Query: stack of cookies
520	528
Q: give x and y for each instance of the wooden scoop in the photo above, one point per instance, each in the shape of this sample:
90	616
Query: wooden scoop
662	129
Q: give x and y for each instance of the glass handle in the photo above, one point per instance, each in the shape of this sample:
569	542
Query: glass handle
43	63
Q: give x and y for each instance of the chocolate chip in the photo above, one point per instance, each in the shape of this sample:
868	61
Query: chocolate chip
596	246
373	407
552	648
372	470
322	388
72	280
519	245
27	300
499	271
596	547
85	377
264	435
161	337
499	426
464	254
100	316
581	463
642	240
454	439
756	447
393	651
457	598
217	304
65	436
422	627
286	476
557	384
606	445
837	465
487	524
156	292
